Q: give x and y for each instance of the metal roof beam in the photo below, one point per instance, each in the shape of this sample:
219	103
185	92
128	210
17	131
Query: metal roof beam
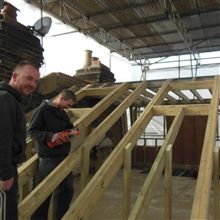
156	18
131	5
196	42
168	32
180	26
106	39
175	52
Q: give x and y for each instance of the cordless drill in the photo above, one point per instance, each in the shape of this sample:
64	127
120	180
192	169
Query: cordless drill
64	136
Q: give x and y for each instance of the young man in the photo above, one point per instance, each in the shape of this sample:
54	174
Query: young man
24	80
48	120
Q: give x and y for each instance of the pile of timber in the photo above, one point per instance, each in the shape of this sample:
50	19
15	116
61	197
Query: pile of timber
17	43
96	73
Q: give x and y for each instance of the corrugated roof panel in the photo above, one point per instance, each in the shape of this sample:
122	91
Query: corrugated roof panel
87	7
163	26
175	37
140	23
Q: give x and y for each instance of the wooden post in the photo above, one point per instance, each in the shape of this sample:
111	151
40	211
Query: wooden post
101	106
201	200
84	166
25	174
52	207
29	148
168	183
145	194
99	132
35	198
87	199
127	181
216	182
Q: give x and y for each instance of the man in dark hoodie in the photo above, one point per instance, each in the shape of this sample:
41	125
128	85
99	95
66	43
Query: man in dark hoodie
48	120
25	77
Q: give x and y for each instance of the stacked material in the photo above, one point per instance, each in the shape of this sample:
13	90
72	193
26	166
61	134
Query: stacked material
49	86
96	73
17	43
57	81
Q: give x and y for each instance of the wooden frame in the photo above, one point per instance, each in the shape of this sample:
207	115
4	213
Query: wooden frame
134	94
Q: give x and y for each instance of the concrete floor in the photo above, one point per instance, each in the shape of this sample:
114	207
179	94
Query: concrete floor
109	207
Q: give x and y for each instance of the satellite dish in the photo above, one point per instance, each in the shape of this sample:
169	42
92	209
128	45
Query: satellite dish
41	26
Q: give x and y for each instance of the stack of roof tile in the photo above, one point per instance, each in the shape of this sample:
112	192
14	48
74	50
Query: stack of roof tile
17	43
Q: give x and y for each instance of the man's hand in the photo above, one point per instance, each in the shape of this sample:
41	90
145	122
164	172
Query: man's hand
75	131
6	184
56	138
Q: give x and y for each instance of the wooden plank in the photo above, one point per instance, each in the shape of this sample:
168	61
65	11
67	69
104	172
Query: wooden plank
168	183
197	95
98	184
182	96
101	91
81	93
61	171
98	133
203	185
148	94
216	182
33	200
27	170
197	109
127	181
171	110
141	98
169	97
188	85
29	148
146	191
100	107
77	112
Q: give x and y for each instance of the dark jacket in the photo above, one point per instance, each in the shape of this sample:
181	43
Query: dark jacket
47	120
12	131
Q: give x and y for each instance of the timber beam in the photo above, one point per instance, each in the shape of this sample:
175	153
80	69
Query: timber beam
155	173
182	96
189	110
103	91
188	85
197	95
84	203
203	186
100	107
98	133
34	199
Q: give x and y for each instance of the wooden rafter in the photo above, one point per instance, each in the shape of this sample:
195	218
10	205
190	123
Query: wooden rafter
98	133
128	95
197	95
97	185
102	105
155	173
203	186
182	96
171	110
